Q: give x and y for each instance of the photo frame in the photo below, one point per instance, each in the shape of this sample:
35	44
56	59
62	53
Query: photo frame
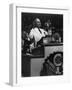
26	65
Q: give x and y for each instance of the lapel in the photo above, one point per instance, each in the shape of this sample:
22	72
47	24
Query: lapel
39	30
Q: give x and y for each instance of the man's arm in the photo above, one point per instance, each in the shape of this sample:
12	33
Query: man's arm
31	34
45	33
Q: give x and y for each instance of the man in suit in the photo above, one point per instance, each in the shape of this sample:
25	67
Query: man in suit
37	33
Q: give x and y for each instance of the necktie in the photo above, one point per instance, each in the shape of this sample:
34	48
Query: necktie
39	30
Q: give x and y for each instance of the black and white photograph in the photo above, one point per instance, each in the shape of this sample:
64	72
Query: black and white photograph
41	44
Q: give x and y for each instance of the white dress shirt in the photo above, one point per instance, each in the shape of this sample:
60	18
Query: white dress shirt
36	34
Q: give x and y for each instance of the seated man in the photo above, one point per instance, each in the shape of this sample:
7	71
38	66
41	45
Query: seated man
25	42
48	27
56	38
37	33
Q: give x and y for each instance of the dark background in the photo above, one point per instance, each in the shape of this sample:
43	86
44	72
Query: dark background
56	20
26	22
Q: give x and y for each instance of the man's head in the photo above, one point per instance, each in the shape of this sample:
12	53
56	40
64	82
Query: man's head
47	24
37	23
